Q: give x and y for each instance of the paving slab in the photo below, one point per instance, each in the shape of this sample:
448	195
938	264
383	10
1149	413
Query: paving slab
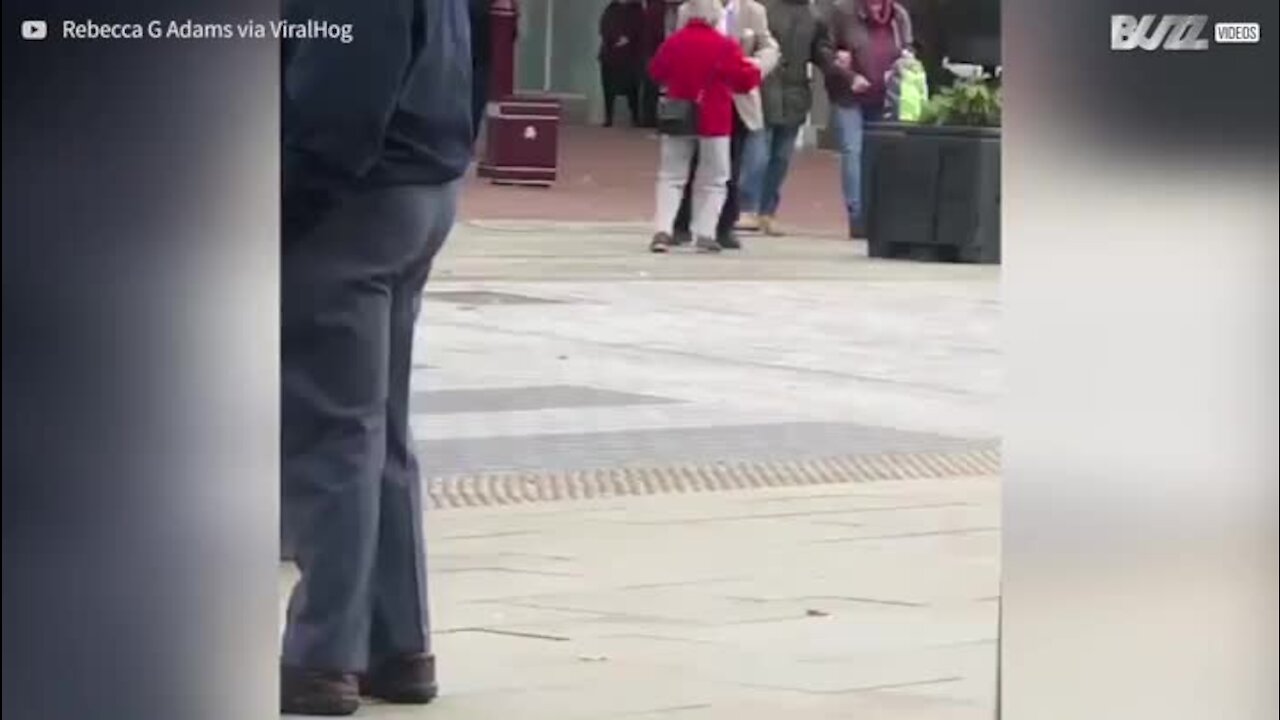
762	485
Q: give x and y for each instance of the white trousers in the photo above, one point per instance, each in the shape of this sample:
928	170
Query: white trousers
709	184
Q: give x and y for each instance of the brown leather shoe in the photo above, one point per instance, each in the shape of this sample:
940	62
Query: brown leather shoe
769	227
403	680
318	692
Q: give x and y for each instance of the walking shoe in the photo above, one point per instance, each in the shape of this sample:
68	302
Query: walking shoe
661	243
402	680
681	237
856	229
729	241
318	692
769	226
706	245
749	222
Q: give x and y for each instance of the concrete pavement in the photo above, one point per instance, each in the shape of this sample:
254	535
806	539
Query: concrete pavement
752	486
607	174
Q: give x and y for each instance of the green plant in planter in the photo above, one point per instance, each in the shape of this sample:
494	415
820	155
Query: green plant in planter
967	103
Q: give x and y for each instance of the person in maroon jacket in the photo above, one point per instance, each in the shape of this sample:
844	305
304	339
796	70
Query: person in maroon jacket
655	31
621	56
702	65
868	36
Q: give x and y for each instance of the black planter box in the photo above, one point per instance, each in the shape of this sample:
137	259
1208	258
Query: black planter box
931	193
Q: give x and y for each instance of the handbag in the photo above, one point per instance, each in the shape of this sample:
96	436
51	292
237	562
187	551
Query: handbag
678	118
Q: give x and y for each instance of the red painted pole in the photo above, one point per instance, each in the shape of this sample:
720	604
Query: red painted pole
522	139
504	18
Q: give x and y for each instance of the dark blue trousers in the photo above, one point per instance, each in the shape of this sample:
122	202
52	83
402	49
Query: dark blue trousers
351	290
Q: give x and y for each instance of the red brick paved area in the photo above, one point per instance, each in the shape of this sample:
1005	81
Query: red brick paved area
607	175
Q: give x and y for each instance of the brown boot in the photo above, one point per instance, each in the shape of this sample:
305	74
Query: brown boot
403	680
318	692
857	230
769	226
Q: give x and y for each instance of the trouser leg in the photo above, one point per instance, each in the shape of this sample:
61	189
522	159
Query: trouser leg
755	160
673	181
609	85
849	125
685	214
633	97
781	146
731	210
339	290
401	620
714	169
648	102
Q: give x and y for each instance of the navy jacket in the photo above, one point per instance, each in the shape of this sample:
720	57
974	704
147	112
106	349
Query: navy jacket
391	107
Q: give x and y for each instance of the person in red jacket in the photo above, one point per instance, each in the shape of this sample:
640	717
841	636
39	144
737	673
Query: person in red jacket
700	64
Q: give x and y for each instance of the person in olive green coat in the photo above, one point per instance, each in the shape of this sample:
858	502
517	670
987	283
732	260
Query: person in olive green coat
787	98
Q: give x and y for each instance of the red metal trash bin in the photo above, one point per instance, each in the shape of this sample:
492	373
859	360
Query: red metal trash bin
522	141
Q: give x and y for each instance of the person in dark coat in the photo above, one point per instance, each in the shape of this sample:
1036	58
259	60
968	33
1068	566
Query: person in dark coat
375	136
746	21
655	31
787	96
868	37
622	29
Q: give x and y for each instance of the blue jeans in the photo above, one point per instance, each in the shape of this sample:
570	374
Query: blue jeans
780	143
754	158
849	122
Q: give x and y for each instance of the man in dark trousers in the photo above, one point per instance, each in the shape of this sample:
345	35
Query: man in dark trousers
374	138
655	31
746	21
621	56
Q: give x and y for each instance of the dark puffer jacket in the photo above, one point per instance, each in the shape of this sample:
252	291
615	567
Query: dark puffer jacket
803	39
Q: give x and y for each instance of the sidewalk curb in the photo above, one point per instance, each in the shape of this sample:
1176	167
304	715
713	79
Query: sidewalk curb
642	228
491	489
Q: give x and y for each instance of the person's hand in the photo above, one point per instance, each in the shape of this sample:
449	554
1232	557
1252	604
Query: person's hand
844	60
860	83
623	41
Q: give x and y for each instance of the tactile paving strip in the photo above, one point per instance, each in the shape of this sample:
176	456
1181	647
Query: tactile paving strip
490	489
